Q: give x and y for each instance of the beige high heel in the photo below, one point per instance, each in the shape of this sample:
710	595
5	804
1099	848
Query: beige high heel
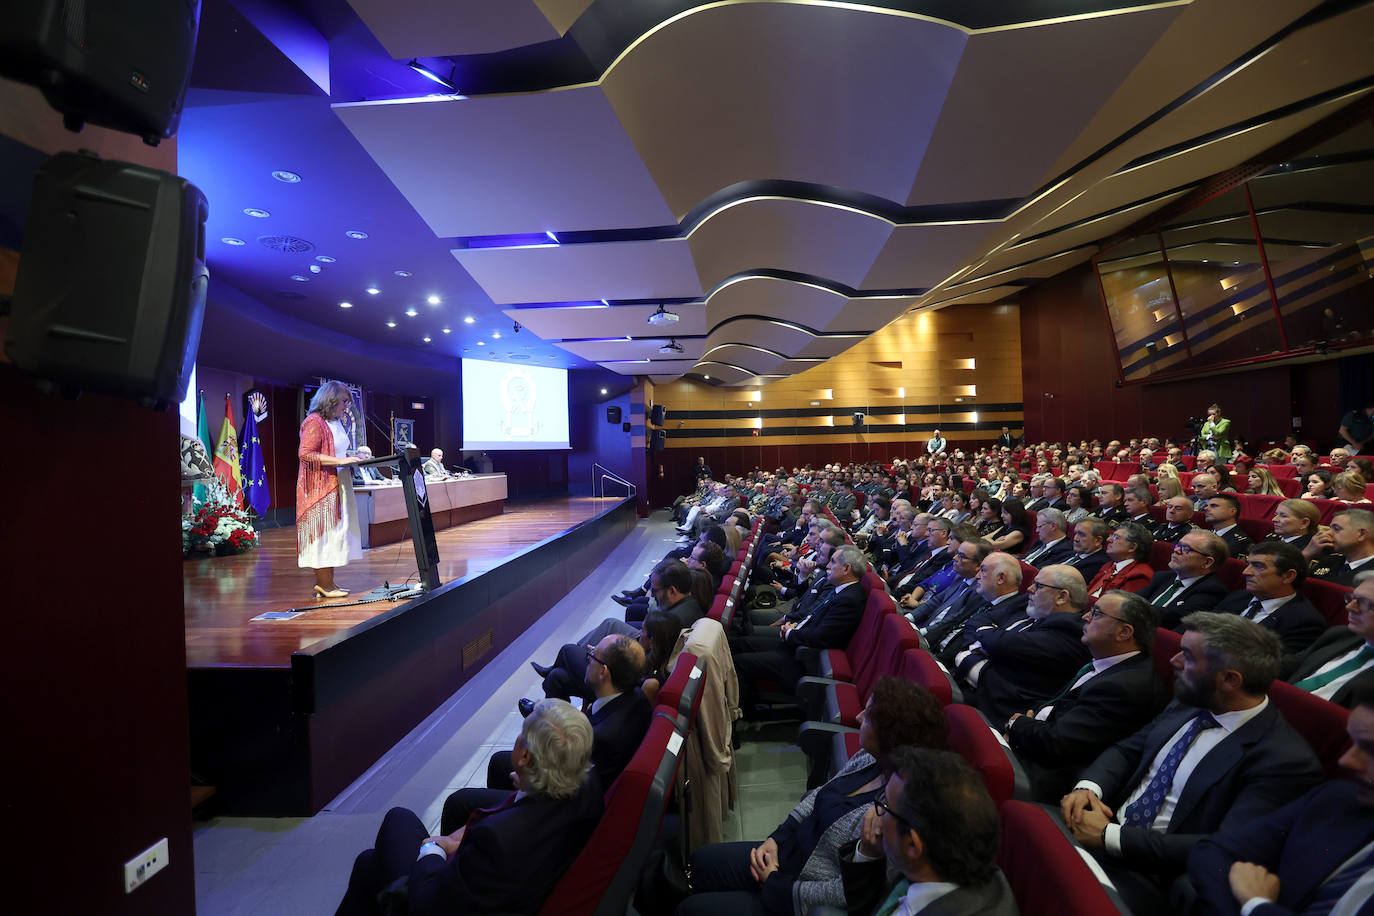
336	593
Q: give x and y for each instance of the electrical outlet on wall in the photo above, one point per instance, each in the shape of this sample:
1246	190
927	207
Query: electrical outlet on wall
144	865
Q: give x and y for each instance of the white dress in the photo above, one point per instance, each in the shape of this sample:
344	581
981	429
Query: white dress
342	542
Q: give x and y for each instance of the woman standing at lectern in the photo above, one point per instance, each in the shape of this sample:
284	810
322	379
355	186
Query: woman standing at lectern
327	531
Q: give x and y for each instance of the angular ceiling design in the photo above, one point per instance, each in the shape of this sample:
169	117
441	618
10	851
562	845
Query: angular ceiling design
786	176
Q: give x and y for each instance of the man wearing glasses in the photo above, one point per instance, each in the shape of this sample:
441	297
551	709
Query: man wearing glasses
1341	662
1190	583
1106	700
935	823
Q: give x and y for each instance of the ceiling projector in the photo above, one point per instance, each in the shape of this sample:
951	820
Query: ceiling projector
671	346
663	316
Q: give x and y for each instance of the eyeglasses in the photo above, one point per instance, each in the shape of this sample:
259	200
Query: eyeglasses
1183	548
1037	586
1097	613
591	656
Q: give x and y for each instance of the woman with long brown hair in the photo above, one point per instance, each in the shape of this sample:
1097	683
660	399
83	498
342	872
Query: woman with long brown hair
327	533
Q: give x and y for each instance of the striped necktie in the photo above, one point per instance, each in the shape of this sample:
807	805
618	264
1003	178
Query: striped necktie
1318	681
1169	594
1253	609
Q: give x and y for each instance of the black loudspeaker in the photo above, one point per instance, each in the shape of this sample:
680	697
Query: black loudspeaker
659	415
110	291
659	441
858	419
123	64
613	414
625	427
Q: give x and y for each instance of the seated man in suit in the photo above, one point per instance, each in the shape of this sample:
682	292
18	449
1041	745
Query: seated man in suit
1106	700
1051	530
935	823
506	858
618	712
1111	509
434	464
1218	757
1019	666
1273	572
1089	547
1341	661
1222	514
366	477
968	556
1178	519
934	586
1315	855
1036	500
1136	501
1352	535
1054	494
922	566
1204	488
999	602
813	585
828	625
670	585
1190	583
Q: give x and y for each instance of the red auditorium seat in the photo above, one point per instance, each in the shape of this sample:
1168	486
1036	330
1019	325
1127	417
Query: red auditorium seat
1328	508
1124	472
735	568
844	664
1329	598
1166	646
920	667
1291	487
670	694
1282	471
972	737
1105	469
1189	461
844	701
1258	506
1232	574
859	499
1047	873
871	581
1321	722
1159	555
1028	574
602	880
684	702
1255	529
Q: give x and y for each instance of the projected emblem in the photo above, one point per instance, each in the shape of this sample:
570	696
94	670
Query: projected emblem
518	392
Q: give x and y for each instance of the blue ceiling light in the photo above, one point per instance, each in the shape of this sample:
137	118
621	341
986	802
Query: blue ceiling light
356	234
345	305
299	278
230	240
288	177
403	274
324	259
446	82
372	291
469	320
256	212
315	268
447	330
428	338
411	313
433	300
391	324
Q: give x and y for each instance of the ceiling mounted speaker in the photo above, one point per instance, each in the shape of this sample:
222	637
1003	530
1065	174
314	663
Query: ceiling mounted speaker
613	414
858	419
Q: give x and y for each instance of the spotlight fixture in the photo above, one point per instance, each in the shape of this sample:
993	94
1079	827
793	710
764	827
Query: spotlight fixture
299	278
447	330
230	240
288	177
603	390
496	335
671	346
391	324
345	305
428	338
446	82
315	268
256	212
663	316
481	343
403	274
411	313
356	234
372	291
324	259
469	320
433	300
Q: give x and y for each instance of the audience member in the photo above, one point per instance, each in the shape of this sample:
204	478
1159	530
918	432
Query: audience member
1341	661
1222	514
998	600
1015	535
1054	546
1352	535
1127	567
1190	583
1273	572
1178	519
1295	521
1261	481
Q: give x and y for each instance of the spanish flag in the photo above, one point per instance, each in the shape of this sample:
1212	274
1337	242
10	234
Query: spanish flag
227	455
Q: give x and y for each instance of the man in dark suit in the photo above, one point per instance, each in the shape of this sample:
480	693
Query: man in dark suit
1006	439
1341	661
1222	514
1136	501
1178	519
504	859
1052	534
1106	700
1088	555
997	601
1111	510
1037	500
1218	757
1352	534
936	825
1311	856
829	625
1273	572
1054	494
958	592
1190	583
1010	669
924	566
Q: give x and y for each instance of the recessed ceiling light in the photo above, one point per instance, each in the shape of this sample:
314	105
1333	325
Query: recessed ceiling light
447	330
603	390
411	313
315	268
299	278
345	305
497	335
469	320
481	343
256	213
372	291
707	377
284	175
391	324
553	238
403	273
428	338
356	234
230	240
433	300
324	259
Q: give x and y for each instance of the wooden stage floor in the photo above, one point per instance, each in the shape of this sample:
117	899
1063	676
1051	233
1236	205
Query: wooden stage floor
223	594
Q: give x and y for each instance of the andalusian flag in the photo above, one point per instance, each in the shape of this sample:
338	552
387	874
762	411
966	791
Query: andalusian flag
253	468
202	433
227	455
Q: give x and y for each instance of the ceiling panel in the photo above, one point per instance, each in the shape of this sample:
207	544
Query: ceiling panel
621	320
607	350
584	273
918	257
804	303
512	164
434	28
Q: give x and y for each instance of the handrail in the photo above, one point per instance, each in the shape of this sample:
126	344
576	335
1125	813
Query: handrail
608	474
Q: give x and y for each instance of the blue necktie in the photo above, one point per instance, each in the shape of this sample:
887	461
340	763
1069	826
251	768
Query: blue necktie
1339	884
960	594
1145	809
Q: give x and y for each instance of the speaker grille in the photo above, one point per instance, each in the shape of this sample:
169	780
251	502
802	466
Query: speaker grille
285	243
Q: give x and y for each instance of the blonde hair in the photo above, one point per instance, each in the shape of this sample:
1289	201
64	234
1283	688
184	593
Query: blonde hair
1166	472
1349	482
328	400
1269	485
1304	509
1168	488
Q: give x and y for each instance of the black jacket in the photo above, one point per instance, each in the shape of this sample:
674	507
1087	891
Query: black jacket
1297	623
1203	595
1335	642
1028	666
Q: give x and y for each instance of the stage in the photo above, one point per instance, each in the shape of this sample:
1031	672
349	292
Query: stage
285	714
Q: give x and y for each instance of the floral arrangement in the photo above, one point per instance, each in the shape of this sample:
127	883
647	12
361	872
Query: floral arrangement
218	525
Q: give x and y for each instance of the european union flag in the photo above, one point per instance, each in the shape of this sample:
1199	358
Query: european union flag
252	470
